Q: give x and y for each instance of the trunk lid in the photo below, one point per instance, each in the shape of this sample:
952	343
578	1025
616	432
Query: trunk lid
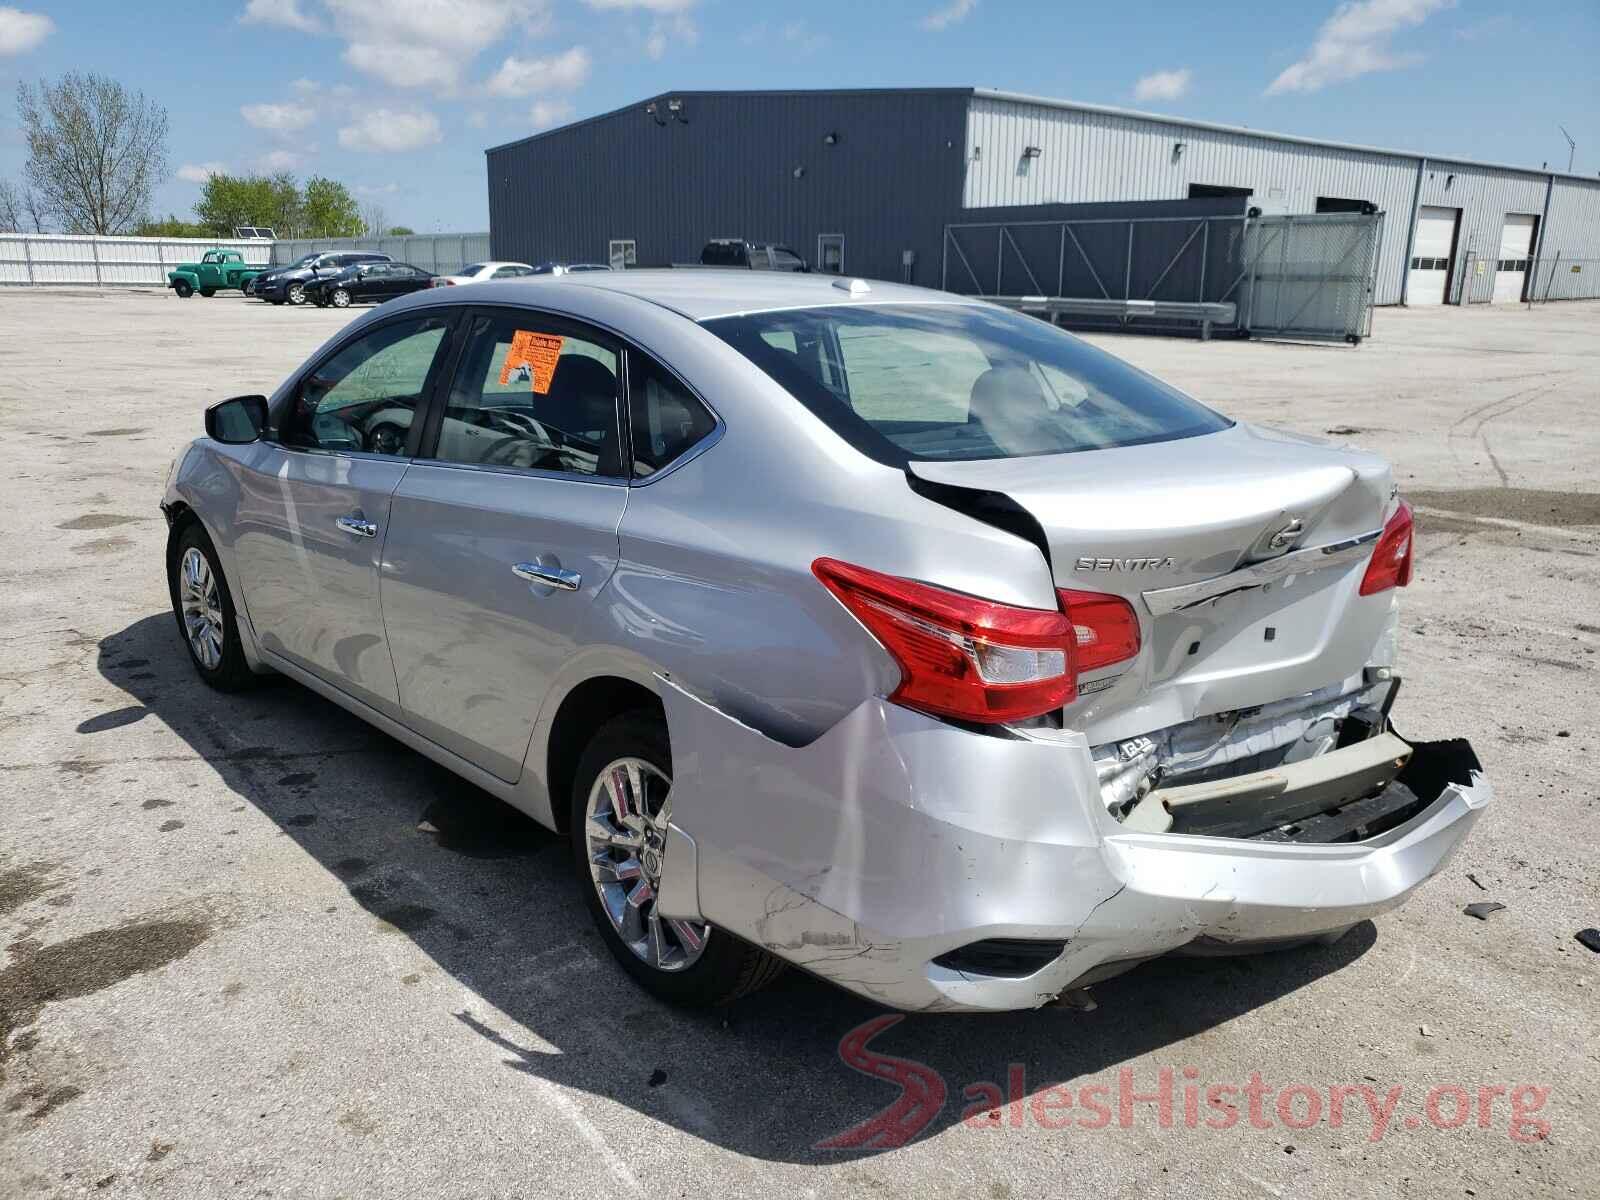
1136	521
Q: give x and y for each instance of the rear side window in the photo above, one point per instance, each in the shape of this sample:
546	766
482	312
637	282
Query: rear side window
949	382
666	418
533	395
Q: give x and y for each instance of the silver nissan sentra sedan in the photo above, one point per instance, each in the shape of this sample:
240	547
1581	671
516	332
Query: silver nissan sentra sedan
883	632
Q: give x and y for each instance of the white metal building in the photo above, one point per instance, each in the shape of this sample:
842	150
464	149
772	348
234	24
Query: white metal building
1455	231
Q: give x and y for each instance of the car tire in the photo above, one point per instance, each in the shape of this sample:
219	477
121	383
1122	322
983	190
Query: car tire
183	288
203	608
663	959
207	293
340	298
296	294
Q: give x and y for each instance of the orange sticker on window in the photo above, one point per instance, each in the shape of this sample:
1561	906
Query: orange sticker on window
533	356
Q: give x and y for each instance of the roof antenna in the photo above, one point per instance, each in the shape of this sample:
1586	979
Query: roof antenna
1571	146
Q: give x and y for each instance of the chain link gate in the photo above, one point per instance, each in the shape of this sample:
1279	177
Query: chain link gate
1310	276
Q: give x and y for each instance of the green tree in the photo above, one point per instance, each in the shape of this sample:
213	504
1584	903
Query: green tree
327	209
95	151
228	201
172	227
401	231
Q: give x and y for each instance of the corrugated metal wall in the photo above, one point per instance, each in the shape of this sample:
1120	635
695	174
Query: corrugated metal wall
751	165
43	259
441	253
1089	155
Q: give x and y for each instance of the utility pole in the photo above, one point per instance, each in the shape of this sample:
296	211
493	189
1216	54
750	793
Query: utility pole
1571	146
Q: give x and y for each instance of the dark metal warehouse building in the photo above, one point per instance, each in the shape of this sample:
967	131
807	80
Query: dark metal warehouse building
869	180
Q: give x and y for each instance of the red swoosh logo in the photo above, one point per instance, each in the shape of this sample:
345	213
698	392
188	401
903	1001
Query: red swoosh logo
922	1091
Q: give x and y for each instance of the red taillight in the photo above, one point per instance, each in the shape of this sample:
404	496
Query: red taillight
1106	627
1391	558
961	656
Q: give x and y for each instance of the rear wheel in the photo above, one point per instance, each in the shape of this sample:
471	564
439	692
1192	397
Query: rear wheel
621	804
208	292
340	298
204	609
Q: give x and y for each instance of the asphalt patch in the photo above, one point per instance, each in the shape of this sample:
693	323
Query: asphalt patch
1529	505
97	521
87	964
19	885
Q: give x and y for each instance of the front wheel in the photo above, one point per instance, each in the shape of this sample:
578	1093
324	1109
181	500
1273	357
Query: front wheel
184	289
620	809
297	293
340	298
204	609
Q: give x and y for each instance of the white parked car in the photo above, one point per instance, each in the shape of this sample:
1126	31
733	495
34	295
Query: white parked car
480	272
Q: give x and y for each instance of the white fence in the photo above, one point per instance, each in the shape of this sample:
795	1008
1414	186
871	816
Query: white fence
441	253
56	259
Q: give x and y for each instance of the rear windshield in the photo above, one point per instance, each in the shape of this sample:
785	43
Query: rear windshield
942	382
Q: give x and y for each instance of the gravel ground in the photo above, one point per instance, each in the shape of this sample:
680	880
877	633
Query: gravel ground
257	948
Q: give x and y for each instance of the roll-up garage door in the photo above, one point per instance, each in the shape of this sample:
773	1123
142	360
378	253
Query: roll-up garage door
1430	255
1516	248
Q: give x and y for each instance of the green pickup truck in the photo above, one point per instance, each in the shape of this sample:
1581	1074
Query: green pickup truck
216	269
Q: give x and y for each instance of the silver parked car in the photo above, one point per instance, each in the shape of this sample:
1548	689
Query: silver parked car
883	632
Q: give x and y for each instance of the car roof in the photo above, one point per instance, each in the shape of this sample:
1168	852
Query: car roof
702	293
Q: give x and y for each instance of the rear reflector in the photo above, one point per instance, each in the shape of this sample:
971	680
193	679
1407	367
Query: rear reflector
960	656
1391	558
1106	627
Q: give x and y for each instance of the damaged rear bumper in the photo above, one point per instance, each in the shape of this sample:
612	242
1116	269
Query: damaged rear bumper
895	840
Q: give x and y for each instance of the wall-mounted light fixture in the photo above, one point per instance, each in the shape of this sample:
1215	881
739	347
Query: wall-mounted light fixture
1177	149
977	154
799	172
830	139
676	111
1031	152
1449	179
651	112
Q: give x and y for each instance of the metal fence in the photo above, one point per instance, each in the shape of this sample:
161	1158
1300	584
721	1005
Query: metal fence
1288	276
441	253
58	259
1561	278
1311	276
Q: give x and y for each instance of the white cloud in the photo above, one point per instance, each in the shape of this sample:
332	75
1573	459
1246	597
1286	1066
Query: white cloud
1355	41
951	14
656	6
385	131
306	87
22	31
279	160
478	119
803	38
200	172
279	118
1163	85
546	113
655	46
430	43
564	72
377	189
285	13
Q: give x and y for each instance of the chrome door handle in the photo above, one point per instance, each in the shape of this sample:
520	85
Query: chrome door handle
357	526
556	577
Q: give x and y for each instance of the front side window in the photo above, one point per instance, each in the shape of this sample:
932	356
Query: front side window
530	394
666	419
946	381
364	396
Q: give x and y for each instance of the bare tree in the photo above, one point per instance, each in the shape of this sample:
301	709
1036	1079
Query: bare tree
95	150
10	208
373	219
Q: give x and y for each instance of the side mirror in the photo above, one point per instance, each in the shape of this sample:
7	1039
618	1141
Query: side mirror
237	421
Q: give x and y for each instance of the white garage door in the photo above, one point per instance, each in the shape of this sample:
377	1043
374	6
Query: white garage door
1430	255
1516	248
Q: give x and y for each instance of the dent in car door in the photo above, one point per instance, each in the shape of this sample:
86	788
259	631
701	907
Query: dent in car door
498	547
313	510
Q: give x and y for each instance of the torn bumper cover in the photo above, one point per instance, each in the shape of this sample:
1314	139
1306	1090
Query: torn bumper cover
894	840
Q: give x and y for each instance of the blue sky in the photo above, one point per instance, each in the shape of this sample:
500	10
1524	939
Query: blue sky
399	98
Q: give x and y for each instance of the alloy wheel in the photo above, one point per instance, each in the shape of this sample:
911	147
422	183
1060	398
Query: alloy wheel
625	833
297	293
202	608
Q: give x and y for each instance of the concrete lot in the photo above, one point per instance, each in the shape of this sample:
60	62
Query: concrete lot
256	948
